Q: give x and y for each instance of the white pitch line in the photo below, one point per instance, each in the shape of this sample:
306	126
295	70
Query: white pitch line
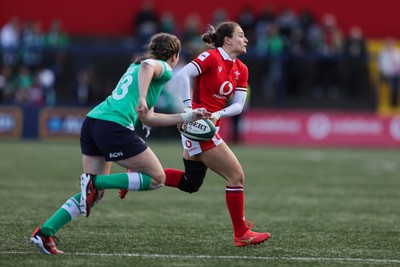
211	257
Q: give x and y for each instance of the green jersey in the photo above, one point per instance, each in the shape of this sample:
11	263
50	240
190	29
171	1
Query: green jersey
120	106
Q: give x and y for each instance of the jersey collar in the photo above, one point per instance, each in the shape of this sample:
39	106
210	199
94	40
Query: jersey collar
224	55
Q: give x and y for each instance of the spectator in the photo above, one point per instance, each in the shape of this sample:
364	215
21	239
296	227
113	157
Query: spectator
311	30
10	41
329	48
389	68
23	82
219	15
273	87
247	20
45	81
35	95
85	87
356	62
267	16
295	64
6	85
287	20
56	44
261	30
191	43
307	25
146	22
168	23
32	45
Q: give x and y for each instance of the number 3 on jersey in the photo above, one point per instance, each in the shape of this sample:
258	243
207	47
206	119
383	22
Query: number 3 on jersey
122	88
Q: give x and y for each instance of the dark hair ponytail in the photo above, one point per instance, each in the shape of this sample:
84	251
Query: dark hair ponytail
214	37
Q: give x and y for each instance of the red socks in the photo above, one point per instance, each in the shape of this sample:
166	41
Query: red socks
173	177
234	196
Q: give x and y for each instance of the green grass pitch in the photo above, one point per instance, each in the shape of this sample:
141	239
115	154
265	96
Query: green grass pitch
323	207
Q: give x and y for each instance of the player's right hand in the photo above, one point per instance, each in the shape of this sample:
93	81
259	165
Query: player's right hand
142	108
195	114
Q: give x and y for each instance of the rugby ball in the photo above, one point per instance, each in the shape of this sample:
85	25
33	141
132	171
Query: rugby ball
200	130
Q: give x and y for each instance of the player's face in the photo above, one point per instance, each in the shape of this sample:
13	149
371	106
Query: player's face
239	41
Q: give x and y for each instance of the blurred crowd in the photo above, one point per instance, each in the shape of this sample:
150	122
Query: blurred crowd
287	40
32	57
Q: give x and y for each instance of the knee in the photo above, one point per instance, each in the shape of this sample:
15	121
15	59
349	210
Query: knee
195	172
189	186
236	179
158	180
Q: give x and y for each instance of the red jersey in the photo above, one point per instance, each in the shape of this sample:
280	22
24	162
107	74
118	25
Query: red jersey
219	77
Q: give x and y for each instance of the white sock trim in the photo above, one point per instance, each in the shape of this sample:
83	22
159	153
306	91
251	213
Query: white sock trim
135	180
72	207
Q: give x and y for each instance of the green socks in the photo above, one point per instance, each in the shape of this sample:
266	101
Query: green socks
63	215
133	181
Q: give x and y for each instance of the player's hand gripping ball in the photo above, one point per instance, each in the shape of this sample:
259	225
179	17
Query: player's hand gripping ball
200	130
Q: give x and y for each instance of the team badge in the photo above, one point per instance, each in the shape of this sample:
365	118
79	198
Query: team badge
237	73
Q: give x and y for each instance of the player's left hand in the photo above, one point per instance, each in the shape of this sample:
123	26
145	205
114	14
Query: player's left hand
214	117
201	113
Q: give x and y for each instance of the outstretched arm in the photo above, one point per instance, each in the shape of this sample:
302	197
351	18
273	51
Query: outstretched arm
153	119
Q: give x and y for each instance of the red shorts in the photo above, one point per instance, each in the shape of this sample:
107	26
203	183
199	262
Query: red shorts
196	147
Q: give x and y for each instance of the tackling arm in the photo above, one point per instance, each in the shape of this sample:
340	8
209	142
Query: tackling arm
154	119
